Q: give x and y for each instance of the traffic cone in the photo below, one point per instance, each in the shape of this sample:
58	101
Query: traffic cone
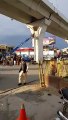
22	113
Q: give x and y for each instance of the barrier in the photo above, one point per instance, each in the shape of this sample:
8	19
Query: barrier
56	82
53	73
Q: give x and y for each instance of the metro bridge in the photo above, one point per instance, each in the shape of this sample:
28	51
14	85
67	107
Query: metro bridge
41	15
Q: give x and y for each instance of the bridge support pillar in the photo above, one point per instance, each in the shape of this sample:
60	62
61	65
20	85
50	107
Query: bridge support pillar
38	43
38	40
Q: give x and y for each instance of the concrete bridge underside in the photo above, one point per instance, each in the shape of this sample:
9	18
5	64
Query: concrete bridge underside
43	16
31	11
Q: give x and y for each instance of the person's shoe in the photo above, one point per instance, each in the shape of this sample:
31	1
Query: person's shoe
24	83
19	84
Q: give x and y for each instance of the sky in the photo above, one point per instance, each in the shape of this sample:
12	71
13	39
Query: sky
61	5
13	32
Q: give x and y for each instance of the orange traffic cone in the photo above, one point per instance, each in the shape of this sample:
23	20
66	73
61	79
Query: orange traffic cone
22	113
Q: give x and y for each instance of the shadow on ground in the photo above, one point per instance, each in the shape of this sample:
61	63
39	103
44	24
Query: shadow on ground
35	96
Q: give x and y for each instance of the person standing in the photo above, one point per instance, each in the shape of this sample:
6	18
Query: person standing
23	73
14	59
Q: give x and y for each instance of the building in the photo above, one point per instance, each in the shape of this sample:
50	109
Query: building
65	50
25	51
5	48
47	54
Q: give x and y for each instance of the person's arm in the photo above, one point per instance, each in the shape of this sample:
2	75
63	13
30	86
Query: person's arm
20	68
27	68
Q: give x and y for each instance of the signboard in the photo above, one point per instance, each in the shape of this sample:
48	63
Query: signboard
2	47
46	41
66	41
49	41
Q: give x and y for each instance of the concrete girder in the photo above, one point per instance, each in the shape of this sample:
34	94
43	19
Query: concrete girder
42	9
57	30
53	28
24	8
54	31
60	23
39	22
36	6
39	6
12	12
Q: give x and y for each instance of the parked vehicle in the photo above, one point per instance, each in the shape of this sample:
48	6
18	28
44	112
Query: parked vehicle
64	96
61	116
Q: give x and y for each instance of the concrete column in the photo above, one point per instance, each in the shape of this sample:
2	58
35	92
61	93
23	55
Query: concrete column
38	40
38	29
38	43
35	47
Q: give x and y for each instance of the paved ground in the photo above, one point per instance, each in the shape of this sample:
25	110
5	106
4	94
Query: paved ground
9	76
39	104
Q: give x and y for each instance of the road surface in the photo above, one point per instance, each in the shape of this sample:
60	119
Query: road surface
40	103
